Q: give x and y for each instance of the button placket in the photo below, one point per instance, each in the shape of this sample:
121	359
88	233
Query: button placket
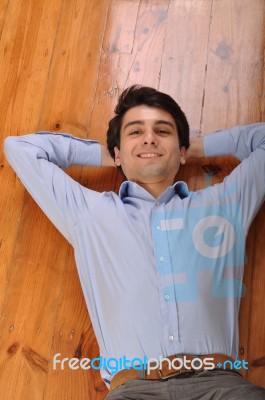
165	279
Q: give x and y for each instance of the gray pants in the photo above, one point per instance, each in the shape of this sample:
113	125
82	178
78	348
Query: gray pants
206	385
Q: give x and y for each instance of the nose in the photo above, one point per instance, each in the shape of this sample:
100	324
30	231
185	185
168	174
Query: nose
150	137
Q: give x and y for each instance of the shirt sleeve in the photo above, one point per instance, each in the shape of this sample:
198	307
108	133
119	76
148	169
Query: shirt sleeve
247	180
39	160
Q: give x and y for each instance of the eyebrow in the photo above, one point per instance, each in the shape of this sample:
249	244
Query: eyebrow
158	122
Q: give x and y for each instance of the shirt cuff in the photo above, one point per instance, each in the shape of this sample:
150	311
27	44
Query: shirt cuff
87	152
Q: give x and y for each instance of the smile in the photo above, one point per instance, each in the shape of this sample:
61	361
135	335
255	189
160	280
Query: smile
149	155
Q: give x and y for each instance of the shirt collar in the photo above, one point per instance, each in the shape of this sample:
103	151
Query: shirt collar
132	189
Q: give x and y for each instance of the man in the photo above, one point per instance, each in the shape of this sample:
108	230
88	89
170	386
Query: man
161	267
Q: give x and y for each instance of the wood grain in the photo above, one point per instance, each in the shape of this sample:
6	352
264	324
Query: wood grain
63	66
234	80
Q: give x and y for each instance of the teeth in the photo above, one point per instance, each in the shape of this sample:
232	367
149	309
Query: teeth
148	155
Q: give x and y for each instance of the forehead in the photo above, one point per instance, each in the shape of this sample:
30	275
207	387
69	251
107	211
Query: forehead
146	114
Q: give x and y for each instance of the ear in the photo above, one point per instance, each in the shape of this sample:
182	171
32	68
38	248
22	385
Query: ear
183	155
117	157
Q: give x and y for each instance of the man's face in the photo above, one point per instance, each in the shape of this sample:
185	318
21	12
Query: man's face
149	146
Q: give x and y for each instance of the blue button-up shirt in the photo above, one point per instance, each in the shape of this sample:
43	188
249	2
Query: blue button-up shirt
160	276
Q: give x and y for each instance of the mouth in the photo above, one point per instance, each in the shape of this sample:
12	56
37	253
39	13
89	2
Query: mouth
149	155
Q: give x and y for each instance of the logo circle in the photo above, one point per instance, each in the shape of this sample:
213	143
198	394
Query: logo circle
224	227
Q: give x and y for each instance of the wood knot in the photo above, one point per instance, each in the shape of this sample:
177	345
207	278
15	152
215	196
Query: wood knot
259	362
241	351
13	349
35	360
100	387
57	126
211	169
224	51
79	349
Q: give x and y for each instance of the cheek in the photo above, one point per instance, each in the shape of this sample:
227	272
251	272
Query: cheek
174	163
175	155
125	153
126	160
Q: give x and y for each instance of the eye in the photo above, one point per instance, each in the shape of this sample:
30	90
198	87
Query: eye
163	132
134	133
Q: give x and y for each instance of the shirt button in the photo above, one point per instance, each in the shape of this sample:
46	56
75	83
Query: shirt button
166	296
171	337
157	203
158	227
162	258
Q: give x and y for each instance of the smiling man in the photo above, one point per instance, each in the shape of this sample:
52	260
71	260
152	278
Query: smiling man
160	266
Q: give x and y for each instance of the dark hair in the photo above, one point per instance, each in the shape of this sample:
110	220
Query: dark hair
137	95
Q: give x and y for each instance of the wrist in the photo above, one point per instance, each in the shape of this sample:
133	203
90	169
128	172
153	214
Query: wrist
106	159
196	149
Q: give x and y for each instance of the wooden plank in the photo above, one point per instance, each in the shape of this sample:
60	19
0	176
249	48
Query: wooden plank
185	56
27	48
30	306
233	95
143	66
26	53
74	68
27	329
234	68
3	10
120	30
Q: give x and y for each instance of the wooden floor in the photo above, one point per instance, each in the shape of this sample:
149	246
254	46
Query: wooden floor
63	64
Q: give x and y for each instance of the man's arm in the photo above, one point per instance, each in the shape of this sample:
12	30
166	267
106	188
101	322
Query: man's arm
39	160
196	149
247	143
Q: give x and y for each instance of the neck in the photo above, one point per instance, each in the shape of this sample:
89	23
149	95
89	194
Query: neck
155	189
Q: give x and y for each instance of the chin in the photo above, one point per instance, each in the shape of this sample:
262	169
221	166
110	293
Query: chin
154	171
